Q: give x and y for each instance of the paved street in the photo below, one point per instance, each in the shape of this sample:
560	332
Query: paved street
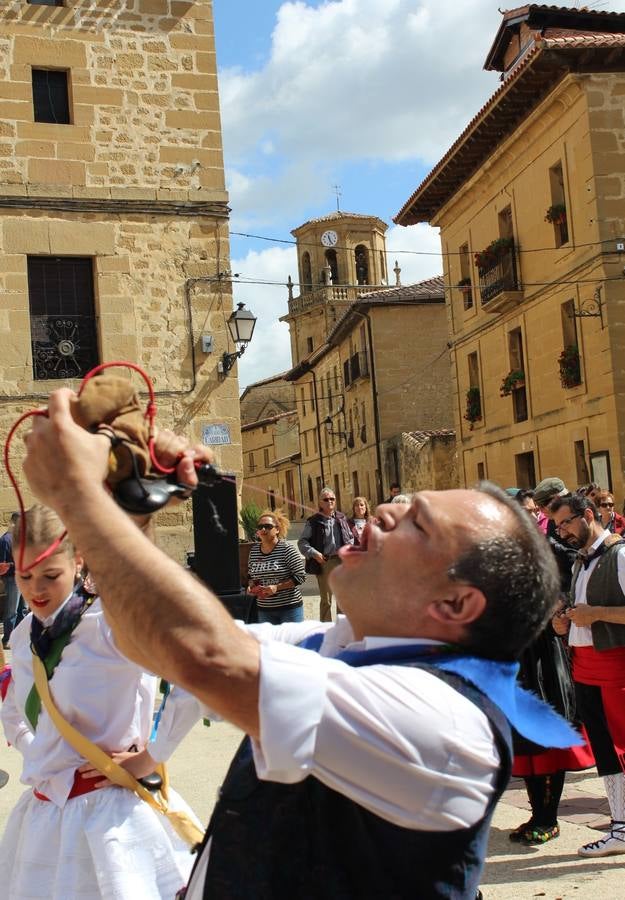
512	873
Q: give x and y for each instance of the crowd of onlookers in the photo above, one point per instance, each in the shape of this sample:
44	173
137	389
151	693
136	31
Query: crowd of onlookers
577	664
276	570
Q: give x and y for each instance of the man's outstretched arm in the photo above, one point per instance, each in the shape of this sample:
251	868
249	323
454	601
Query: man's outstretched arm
162	617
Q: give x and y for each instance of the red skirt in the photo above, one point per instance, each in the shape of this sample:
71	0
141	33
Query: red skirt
571	759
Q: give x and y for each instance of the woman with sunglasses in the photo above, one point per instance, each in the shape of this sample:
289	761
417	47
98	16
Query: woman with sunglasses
613	521
275	571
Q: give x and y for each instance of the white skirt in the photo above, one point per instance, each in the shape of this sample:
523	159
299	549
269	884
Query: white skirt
107	844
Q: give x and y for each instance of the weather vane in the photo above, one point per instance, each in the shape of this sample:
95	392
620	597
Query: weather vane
337	190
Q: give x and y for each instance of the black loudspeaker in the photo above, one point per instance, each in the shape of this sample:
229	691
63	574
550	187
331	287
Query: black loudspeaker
216	539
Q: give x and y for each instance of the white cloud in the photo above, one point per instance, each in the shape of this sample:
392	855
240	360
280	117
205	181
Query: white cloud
421	258
267	198
363	79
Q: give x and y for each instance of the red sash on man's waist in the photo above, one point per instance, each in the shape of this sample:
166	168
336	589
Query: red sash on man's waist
605	668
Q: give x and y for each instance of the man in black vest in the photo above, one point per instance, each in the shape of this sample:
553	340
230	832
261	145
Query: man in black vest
377	748
595	626
323	536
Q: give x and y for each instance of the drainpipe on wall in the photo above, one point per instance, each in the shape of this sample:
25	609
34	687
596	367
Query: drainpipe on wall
376	413
314	378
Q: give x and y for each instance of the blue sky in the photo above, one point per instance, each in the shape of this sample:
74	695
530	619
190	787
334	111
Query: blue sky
367	94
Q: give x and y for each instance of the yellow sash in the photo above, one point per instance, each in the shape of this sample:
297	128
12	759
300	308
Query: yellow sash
181	822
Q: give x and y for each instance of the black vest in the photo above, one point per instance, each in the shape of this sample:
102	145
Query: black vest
305	841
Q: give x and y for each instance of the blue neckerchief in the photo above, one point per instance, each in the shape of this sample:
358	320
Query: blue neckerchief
497	680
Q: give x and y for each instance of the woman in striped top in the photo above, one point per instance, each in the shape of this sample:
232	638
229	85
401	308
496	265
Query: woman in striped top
275	571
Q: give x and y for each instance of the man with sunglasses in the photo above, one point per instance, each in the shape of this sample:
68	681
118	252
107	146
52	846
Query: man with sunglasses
323	536
595	626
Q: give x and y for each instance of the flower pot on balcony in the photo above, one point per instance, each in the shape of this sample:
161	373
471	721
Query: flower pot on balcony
473	412
490	256
556	214
514	379
569	363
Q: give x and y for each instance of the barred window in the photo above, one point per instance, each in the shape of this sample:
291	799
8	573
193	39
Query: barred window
62	316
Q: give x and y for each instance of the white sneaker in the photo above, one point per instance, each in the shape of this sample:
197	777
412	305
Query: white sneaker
611	843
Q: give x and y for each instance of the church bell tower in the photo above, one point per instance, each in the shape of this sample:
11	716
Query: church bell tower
339	257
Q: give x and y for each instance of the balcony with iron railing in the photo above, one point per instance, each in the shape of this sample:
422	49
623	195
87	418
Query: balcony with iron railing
499	284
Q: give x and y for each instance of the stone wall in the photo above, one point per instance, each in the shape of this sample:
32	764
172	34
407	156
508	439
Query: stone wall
145	119
426	463
135	183
266	398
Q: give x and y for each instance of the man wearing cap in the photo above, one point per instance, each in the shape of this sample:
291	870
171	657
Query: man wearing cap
544	493
595	625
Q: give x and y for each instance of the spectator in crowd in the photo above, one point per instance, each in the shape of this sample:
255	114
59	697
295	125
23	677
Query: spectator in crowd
14	608
594	621
545	670
527	501
544	493
592	491
394	489
361	514
275	571
611	520
323	536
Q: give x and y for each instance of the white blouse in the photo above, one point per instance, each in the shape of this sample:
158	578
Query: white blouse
106	697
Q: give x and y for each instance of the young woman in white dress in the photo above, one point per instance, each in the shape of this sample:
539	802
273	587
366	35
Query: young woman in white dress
68	838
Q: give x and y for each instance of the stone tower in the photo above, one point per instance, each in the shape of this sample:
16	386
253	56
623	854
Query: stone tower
339	257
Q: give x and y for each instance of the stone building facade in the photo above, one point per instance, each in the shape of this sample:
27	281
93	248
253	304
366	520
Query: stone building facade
382	370
271	462
530	201
113	211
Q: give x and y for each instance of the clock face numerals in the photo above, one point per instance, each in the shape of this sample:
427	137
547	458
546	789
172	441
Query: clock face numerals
329	238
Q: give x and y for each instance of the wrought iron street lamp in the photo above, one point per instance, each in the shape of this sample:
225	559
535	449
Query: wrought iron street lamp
241	324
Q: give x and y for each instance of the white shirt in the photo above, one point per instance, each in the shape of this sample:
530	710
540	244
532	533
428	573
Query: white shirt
107	698
399	741
581	636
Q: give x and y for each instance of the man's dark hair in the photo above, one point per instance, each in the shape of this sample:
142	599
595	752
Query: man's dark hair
517	574
395	484
522	495
576	503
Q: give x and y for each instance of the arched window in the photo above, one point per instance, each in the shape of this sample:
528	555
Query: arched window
332	261
362	264
306	273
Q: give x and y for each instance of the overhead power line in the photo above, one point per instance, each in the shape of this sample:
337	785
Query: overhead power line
393	252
